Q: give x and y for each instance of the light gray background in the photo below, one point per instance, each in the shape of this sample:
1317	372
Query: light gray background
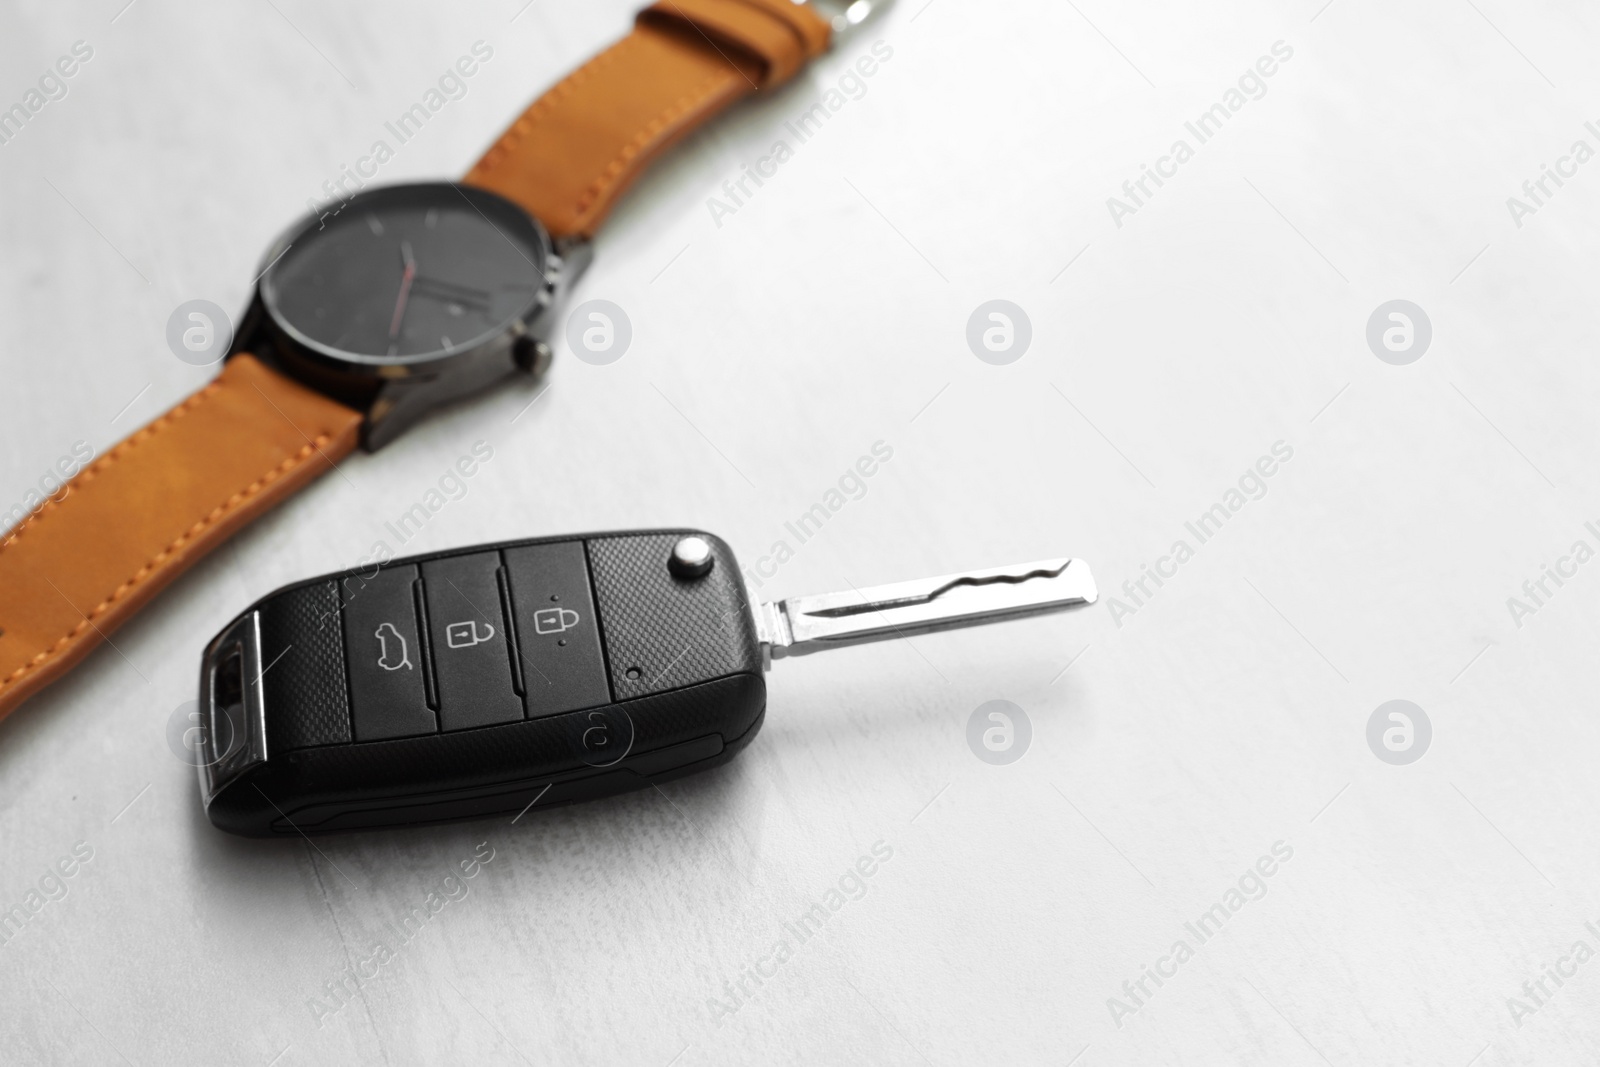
769	353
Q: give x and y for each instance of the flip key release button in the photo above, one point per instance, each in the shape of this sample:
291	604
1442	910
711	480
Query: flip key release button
563	668
388	696
471	654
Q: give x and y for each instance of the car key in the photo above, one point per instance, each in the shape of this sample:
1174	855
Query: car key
499	677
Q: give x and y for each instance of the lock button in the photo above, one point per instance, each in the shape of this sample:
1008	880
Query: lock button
558	636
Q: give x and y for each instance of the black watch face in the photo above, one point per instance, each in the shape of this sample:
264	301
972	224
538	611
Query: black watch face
408	274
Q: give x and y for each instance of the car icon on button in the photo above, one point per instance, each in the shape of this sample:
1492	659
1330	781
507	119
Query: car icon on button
391	648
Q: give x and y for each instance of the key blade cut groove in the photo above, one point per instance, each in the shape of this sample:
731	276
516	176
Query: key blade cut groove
809	624
883	604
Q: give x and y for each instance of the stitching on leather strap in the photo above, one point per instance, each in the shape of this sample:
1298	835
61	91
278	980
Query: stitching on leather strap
122	449
608	177
218	513
545	104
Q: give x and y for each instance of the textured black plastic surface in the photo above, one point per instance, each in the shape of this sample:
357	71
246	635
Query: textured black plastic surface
663	632
695	715
302	651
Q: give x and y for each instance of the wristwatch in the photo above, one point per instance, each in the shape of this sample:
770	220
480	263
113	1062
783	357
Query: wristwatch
370	315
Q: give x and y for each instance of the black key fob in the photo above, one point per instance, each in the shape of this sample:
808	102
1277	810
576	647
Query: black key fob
479	681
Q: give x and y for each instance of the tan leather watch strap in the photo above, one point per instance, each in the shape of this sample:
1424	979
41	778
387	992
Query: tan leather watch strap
82	563
570	157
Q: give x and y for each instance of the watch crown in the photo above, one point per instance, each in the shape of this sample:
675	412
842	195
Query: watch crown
532	355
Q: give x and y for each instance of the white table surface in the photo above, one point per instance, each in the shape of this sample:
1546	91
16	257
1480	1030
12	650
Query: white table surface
828	313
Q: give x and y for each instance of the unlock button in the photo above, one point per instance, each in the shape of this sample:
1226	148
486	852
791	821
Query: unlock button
471	656
468	633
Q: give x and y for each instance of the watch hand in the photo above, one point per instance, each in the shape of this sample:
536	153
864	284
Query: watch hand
429	288
406	278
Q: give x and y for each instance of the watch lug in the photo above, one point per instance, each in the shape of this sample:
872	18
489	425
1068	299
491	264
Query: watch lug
575	254
398	405
407	396
250	334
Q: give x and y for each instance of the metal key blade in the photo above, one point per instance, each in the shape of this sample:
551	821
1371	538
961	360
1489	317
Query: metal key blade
807	624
